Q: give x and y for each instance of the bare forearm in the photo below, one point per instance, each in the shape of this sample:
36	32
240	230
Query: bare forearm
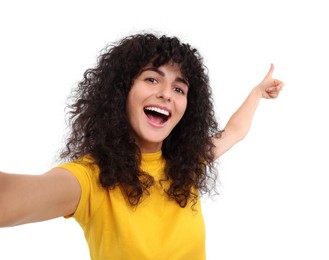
4	203
241	120
239	124
14	197
33	198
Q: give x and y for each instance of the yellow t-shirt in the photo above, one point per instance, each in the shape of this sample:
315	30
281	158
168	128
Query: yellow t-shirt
157	229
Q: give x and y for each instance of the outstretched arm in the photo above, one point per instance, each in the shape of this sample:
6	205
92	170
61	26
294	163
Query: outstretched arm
239	124
32	198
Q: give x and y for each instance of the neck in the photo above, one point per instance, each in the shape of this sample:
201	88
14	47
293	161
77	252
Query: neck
150	147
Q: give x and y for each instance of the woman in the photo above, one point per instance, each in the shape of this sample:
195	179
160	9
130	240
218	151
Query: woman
141	150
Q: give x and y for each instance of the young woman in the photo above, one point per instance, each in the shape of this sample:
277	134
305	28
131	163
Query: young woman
141	150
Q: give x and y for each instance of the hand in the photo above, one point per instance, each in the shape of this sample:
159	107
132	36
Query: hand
269	87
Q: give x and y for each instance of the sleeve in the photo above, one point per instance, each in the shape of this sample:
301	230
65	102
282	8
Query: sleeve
87	176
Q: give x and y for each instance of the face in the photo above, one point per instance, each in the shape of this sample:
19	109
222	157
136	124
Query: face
155	104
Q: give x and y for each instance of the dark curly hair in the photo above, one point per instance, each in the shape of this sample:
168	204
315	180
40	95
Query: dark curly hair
100	126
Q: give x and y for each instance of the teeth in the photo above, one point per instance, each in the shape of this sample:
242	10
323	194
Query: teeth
158	110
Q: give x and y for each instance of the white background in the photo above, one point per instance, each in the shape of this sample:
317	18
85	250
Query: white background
274	193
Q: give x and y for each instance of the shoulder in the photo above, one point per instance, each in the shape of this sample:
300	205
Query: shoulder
86	172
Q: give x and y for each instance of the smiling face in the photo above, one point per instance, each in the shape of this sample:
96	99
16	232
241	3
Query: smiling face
156	103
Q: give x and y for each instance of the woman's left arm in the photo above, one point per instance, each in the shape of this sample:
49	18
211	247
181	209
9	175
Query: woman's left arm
239	124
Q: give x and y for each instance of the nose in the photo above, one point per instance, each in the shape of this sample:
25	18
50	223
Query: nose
165	93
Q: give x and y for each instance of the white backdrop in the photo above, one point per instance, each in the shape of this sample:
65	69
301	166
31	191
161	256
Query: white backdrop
274	185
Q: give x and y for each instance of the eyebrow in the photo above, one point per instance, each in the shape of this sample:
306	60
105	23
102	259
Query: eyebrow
161	73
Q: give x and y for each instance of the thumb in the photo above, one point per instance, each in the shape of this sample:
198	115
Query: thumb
270	72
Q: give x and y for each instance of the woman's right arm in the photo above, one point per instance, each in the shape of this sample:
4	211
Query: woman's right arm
33	198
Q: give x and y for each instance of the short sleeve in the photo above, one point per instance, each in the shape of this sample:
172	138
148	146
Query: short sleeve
91	190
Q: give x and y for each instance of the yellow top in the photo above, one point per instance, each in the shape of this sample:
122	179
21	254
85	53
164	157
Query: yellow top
157	229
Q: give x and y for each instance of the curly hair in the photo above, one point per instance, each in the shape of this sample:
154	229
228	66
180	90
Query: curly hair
100	126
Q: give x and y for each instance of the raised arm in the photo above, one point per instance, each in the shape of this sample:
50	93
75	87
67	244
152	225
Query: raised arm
239	124
32	198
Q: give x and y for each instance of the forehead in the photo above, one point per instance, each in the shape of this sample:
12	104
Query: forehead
171	70
170	67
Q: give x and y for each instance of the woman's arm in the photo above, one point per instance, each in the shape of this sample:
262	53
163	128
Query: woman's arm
32	198
239	124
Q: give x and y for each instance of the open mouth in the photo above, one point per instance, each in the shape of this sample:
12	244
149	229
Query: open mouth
157	115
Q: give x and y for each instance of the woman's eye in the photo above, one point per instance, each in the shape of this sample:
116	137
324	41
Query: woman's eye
179	90
152	80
